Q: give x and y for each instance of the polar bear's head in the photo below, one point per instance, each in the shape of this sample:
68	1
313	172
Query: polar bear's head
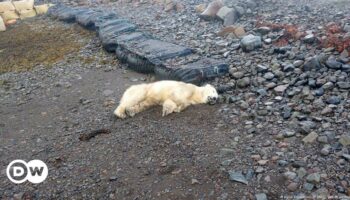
209	94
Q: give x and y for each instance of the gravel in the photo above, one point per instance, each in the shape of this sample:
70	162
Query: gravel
281	127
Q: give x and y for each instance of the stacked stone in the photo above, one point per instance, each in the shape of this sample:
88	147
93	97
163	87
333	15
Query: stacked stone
10	11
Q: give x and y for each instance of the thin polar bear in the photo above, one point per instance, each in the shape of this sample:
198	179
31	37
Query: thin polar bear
174	96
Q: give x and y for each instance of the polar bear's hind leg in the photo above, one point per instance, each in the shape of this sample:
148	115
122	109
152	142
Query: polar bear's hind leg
139	108
132	96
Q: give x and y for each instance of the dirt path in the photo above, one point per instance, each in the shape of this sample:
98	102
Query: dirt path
44	111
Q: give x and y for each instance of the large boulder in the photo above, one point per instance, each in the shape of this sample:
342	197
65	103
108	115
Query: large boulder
9	15
6	6
23	5
41	9
2	25
221	14
23	14
212	9
231	17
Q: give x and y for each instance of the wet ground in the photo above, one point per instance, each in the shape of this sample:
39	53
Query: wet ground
29	44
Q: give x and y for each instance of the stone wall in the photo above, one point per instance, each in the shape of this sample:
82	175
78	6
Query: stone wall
10	11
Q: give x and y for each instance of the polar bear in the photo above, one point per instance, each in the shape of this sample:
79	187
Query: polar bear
174	96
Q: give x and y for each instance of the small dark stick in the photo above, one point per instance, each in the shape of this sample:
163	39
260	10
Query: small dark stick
88	136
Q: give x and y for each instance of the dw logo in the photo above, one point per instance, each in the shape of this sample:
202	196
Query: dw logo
35	171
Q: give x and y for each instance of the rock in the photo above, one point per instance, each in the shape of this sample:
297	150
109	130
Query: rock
288	133
343	85
306	126
287	113
231	18
200	8
315	62
345	140
169	5
263	30
267	41
292	187
212	9
261	196
238	75
309	38
237	176
298	63
301	172
251	42
322	139
325	150
335	100
326	111
269	76
113	178
346	156
223	12
321	194
261	68
310	138
346	68
281	88
319	92
288	68
333	64
244	82
237	31
290	175
308	186
346	28
2	25
313	178
194	181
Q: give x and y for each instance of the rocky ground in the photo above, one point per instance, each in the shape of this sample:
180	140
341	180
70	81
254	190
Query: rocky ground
280	129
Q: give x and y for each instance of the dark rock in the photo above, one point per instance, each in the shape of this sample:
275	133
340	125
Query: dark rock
251	42
333	64
333	100
237	176
343	85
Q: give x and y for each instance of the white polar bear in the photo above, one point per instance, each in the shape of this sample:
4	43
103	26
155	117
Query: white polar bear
174	96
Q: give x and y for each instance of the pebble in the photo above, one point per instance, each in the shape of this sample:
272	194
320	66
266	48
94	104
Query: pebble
310	138
238	177
261	196
313	178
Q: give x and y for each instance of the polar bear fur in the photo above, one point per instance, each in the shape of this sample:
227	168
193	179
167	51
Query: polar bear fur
174	96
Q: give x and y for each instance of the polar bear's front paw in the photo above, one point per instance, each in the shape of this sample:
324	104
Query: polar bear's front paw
119	113
166	111
131	112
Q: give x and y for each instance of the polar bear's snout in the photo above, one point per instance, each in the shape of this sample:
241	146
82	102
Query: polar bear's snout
212	100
